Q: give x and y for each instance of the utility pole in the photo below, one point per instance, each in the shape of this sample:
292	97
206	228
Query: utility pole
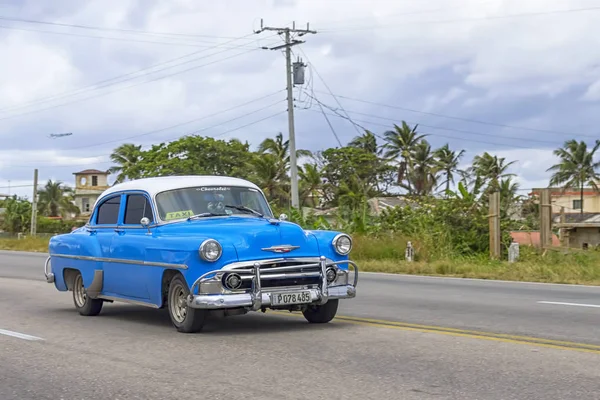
545	219
289	42
494	223
34	203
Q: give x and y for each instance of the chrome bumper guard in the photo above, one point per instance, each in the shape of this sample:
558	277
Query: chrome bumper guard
256	299
49	275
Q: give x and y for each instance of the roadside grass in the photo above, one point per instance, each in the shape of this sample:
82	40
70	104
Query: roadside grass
386	254
35	244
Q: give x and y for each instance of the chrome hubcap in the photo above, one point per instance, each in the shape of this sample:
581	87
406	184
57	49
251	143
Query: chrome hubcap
79	291
177	303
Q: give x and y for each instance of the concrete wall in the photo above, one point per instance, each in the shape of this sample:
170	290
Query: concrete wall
579	236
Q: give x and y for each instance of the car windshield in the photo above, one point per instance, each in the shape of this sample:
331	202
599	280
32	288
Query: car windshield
221	200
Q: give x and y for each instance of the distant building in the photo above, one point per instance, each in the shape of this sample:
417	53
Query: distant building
570	199
89	185
583	233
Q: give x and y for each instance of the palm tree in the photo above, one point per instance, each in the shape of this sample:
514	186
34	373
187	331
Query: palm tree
310	183
281	150
508	195
56	200
423	172
267	173
576	168
367	142
126	156
447	162
491	169
400	144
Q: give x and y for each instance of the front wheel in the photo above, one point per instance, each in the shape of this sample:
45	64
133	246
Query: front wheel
84	303
321	314
184	318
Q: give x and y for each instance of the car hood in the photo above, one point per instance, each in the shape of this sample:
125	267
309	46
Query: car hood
249	235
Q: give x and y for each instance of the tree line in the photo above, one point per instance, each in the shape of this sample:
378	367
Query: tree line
343	178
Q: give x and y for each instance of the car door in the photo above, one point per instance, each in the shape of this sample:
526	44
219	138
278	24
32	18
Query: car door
102	227
104	221
127	275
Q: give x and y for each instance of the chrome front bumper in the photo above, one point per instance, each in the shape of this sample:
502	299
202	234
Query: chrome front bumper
257	297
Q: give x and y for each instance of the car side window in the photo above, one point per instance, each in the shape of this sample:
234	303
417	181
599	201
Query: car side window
108	212
137	207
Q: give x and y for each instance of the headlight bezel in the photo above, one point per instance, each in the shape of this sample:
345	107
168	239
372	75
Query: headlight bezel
203	247
336	240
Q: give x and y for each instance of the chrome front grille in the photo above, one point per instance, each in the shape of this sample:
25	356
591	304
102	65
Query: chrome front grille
280	272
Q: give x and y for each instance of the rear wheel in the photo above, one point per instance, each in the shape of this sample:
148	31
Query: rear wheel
321	314
184	318
83	303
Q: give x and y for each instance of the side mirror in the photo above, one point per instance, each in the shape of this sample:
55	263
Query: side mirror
283	217
145	222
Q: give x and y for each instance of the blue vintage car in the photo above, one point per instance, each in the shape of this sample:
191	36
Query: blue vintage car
199	245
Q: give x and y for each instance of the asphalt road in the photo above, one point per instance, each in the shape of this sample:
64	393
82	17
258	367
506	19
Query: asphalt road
401	338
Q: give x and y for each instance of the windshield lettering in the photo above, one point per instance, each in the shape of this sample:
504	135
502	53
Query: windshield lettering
212	201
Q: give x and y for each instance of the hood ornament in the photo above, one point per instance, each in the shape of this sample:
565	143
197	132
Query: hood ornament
284	248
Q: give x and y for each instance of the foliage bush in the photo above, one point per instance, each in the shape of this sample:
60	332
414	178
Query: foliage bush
47	225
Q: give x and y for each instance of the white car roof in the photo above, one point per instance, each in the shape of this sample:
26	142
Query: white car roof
156	185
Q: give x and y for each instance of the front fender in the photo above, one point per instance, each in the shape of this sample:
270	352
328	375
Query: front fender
325	243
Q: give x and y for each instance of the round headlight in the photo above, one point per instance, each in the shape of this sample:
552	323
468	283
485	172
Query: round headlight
342	244
210	250
331	274
232	281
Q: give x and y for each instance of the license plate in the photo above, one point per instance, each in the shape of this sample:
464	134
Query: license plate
278	299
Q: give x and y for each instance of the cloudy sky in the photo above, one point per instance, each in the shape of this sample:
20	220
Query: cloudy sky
515	78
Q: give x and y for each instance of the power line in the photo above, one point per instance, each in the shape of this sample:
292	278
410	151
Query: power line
461	118
442	128
190	121
97	86
186	134
353	121
324	83
461	20
176	43
134	85
97	28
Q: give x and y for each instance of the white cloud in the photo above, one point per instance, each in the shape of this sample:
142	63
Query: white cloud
427	57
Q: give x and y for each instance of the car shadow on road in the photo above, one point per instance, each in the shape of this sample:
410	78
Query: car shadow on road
251	323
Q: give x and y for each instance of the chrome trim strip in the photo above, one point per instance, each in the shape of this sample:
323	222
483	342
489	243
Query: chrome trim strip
323	284
123	261
250	264
280	269
256	289
266	277
282	248
136	302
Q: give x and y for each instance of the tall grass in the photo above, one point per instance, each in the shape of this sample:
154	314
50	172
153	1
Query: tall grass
385	253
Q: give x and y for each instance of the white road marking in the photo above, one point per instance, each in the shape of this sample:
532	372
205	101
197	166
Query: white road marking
19	335
570	304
